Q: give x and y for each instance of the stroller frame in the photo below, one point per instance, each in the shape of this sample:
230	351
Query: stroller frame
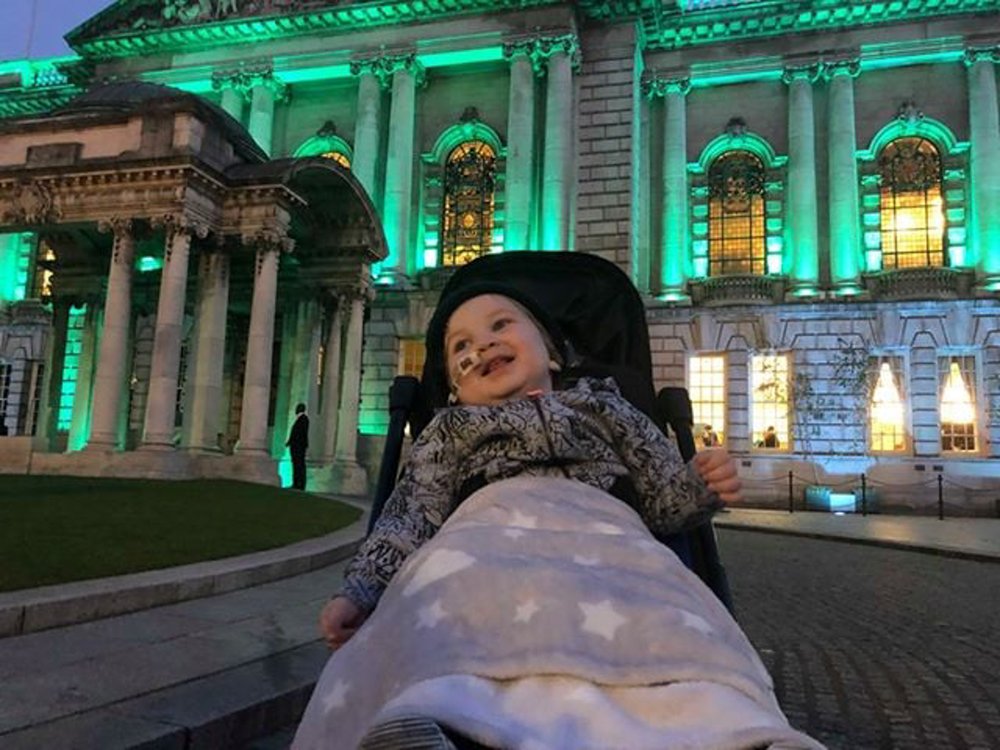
602	316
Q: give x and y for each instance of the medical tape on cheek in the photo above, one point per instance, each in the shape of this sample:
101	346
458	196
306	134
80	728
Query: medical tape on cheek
466	364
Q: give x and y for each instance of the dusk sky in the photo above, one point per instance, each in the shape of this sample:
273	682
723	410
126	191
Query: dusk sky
35	28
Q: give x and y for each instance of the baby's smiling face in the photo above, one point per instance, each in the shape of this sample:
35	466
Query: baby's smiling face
495	352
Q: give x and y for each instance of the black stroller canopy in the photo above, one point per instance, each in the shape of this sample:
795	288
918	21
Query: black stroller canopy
593	302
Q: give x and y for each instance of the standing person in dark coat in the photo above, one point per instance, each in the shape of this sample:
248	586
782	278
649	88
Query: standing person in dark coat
298	442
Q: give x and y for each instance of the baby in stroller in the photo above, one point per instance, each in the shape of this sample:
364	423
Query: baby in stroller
549	462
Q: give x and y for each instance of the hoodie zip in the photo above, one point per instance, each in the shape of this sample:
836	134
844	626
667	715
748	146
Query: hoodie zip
536	397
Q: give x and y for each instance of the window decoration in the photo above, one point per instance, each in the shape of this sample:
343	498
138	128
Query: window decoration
71	366
707	389
887	414
412	353
958	404
736	230
912	204
467	218
328	144
769	389
338	156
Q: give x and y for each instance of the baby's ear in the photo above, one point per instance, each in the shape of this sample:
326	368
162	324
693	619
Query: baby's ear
554	366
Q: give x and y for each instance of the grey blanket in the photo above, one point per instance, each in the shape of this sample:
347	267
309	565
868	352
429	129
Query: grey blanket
544	578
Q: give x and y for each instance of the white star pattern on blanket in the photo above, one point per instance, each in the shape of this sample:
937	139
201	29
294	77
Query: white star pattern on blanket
513	533
526	611
693	621
439	564
336	698
606	528
601	619
524	520
430	616
588	561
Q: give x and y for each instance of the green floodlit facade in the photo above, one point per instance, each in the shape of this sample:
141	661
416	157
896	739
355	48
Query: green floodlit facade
731	156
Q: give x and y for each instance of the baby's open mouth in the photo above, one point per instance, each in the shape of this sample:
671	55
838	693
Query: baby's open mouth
495	363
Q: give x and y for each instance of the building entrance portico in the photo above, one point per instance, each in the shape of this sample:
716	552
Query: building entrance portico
179	250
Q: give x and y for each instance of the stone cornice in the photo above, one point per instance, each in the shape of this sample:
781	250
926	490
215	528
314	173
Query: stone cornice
810	72
656	84
383	66
980	54
850	66
677	28
249	76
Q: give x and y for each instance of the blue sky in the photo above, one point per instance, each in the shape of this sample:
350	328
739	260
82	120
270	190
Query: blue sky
35	28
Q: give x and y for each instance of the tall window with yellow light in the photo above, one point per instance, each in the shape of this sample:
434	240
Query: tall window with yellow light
467	217
912	204
770	399
412	353
736	222
706	383
957	379
887	410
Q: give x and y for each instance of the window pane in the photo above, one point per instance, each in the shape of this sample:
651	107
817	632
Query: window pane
736	238
412	353
958	404
912	213
887	415
467	219
707	389
770	396
338	157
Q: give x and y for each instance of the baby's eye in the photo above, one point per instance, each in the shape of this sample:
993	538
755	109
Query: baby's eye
459	345
500	323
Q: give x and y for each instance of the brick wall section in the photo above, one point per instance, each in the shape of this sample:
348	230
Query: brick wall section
604	124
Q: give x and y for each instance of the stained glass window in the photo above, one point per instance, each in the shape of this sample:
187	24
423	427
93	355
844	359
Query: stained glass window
912	208
339	157
707	389
736	222
467	220
412	353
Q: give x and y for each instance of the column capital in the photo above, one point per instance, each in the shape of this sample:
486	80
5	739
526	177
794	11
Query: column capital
384	66
805	72
848	66
656	84
539	48
266	240
246	77
179	224
354	291
981	54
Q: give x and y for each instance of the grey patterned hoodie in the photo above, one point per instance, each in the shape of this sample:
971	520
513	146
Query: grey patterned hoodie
589	433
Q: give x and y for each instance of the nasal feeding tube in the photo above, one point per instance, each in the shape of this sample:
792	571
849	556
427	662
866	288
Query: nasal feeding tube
466	364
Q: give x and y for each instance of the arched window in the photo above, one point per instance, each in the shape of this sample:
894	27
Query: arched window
737	242
338	156
912	206
467	216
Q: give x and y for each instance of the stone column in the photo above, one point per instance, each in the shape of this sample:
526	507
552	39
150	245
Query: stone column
164	370
260	339
407	74
674	260
306	362
845	223
109	381
347	424
202	421
55	362
520	148
984	158
368	127
557	154
232	94
79	428
330	399
800	209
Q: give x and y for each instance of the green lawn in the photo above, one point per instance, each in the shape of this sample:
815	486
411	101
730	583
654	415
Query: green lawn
59	529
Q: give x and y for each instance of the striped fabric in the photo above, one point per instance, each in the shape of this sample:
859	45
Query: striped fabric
407	733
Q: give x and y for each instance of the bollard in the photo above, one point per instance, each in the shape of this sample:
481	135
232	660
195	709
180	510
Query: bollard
940	498
864	496
791	497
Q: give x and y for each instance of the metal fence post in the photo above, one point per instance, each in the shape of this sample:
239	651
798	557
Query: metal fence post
791	496
940	498
864	496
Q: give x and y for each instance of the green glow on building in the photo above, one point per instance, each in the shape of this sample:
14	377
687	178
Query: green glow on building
460	57
71	366
148	263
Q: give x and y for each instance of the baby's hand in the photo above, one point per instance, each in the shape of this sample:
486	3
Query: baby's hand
339	620
718	469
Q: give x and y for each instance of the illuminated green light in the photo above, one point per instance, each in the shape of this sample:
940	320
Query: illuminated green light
430	258
148	263
871	220
873	260
773	207
285	470
460	57
774	264
200	86
956	256
871	200
955	215
805	291
873	240
673	296
956	235
699	192
848	290
954	196
775	245
699	228
772	224
700	265
954	175
700	247
318	73
700	211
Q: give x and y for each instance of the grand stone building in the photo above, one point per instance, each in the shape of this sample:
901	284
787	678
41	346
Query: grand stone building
807	194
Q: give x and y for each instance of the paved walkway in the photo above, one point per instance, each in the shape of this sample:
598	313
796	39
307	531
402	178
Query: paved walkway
223	669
